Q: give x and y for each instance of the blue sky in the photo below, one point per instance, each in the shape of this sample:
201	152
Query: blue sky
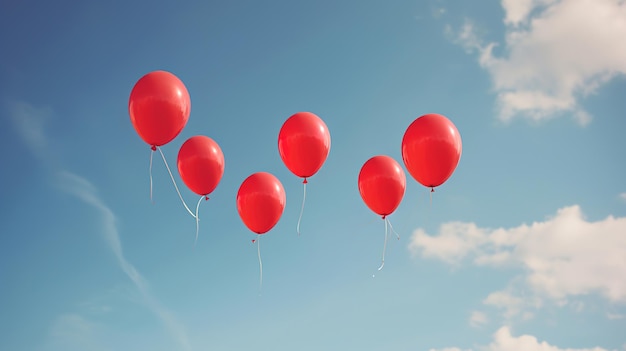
524	247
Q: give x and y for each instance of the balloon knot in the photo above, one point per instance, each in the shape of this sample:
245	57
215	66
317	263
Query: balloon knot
385	216
206	198
305	181
432	190
253	241
153	148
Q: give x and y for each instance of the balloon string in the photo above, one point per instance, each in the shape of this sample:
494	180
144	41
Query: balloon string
175	186
151	153
432	190
258	246
391	227
198	220
430	208
302	209
384	246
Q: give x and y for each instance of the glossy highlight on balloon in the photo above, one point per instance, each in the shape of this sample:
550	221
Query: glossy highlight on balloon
159	107
304	144
261	201
431	149
201	164
382	184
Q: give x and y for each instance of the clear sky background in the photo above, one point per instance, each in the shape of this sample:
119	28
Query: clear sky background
523	248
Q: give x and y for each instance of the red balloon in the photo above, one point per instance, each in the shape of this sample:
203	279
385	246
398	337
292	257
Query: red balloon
431	149
159	107
201	164
304	143
382	183
260	202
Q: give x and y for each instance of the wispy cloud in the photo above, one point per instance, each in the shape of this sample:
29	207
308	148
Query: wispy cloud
622	196
29	123
562	257
556	53
72	332
437	9
86	192
438	12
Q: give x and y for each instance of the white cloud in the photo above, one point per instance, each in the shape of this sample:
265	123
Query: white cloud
478	319
622	196
517	11
512	305
455	241
563	256
467	36
504	341
505	300
555	53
